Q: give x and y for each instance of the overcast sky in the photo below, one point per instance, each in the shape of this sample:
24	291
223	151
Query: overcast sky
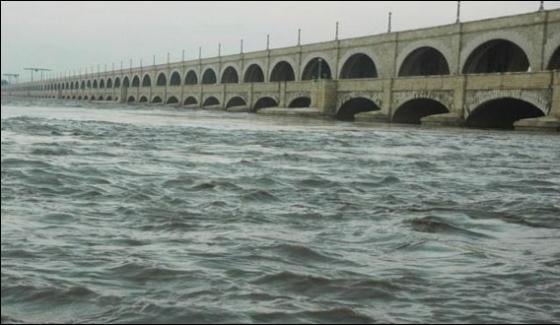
69	36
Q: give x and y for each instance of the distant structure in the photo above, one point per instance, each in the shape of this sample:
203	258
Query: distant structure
487	73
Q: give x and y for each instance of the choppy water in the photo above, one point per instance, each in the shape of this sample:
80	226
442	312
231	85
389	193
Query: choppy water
120	214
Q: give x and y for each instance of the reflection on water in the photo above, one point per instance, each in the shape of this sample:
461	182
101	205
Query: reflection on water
121	214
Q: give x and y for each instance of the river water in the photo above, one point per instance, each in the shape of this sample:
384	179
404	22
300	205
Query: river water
127	214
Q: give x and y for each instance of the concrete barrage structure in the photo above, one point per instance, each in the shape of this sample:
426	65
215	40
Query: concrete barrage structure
493	73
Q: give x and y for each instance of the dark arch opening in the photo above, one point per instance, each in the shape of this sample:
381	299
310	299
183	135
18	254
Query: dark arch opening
315	67
76	85
143	99
424	61
136	81
161	80
74	97
209	77
109	83
101	83
300	102
555	60
175	79
502	113
414	110
230	76
117	82
156	100
497	56
211	101
146	81
191	101
235	102
358	66
85	97
282	71
108	98
254	74
100	98
89	84
172	100
126	82
355	106
95	84
131	99
191	78
265	102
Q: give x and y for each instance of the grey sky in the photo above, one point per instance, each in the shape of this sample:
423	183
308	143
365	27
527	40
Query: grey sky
69	36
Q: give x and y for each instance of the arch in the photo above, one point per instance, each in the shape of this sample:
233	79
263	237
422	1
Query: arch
502	113
315	68
282	71
175	79
190	101
230	76
146	81
554	63
236	101
354	106
136	81
86	97
424	61
108	98
88	84
211	101
358	66
74	97
131	99
76	85
143	99
100	97
94	84
209	77
497	56
161	80
172	100
265	102
109	83
117	82
412	111
102	83
157	100
254	73
191	78
68	86
300	102
126	82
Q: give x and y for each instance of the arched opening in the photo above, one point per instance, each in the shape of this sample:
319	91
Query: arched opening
172	100
235	102
254	73
282	71
109	83
300	102
230	76
76	86
117	82
126	82
414	110
146	81
68	85
161	80
85	97
502	113
191	78
354	106
108	98
95	84
358	66
190	101
317	68
209	77
265	102
156	100
497	56
101	83
136	82
100	98
143	99
554	63
131	99
71	85
424	61
175	79
211	101
89	84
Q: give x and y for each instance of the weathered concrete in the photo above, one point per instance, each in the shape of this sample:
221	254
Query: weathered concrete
439	76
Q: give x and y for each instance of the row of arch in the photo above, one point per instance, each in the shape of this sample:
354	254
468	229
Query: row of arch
236	101
494	56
